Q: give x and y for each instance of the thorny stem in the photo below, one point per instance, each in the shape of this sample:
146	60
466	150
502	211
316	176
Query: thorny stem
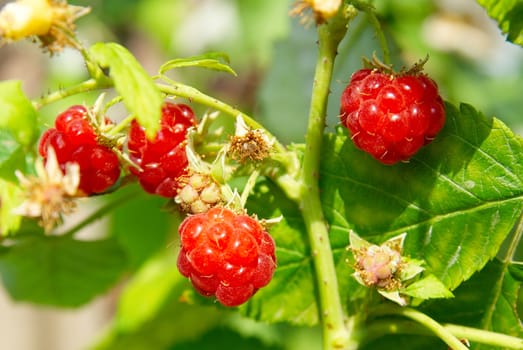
195	95
86	86
286	182
335	333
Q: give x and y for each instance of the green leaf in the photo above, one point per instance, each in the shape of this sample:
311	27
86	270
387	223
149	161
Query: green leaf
487	301
427	288
12	156
509	15
152	314
141	226
212	60
457	199
224	339
17	113
150	290
10	198
291	294
60	271
140	95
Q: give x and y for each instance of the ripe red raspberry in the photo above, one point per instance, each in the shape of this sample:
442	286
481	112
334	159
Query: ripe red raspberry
226	255
74	140
391	116
163	159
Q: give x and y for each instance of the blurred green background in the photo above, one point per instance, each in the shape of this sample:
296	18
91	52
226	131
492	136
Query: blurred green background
274	56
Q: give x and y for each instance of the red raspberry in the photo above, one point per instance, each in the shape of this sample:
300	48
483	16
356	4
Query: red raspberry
74	140
162	160
226	255
391	116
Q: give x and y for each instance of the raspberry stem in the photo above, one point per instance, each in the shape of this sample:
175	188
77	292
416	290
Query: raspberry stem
436	328
378	328
335	333
86	86
287	183
118	200
373	19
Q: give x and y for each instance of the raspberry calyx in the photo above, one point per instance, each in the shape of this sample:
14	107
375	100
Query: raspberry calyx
226	254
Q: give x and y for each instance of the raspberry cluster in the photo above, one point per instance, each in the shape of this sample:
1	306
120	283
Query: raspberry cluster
226	255
161	160
391	116
75	140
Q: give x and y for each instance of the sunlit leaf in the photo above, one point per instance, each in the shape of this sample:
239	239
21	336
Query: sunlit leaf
509	15
10	195
17	114
487	301
427	288
60	271
141	226
291	295
457	199
12	157
140	94
151	313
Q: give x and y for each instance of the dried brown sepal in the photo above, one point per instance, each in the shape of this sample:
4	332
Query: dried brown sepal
251	146
51	193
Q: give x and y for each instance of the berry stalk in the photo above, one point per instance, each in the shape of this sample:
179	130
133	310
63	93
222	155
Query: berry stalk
436	328
335	333
195	95
113	203
285	178
83	87
380	328
373	20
